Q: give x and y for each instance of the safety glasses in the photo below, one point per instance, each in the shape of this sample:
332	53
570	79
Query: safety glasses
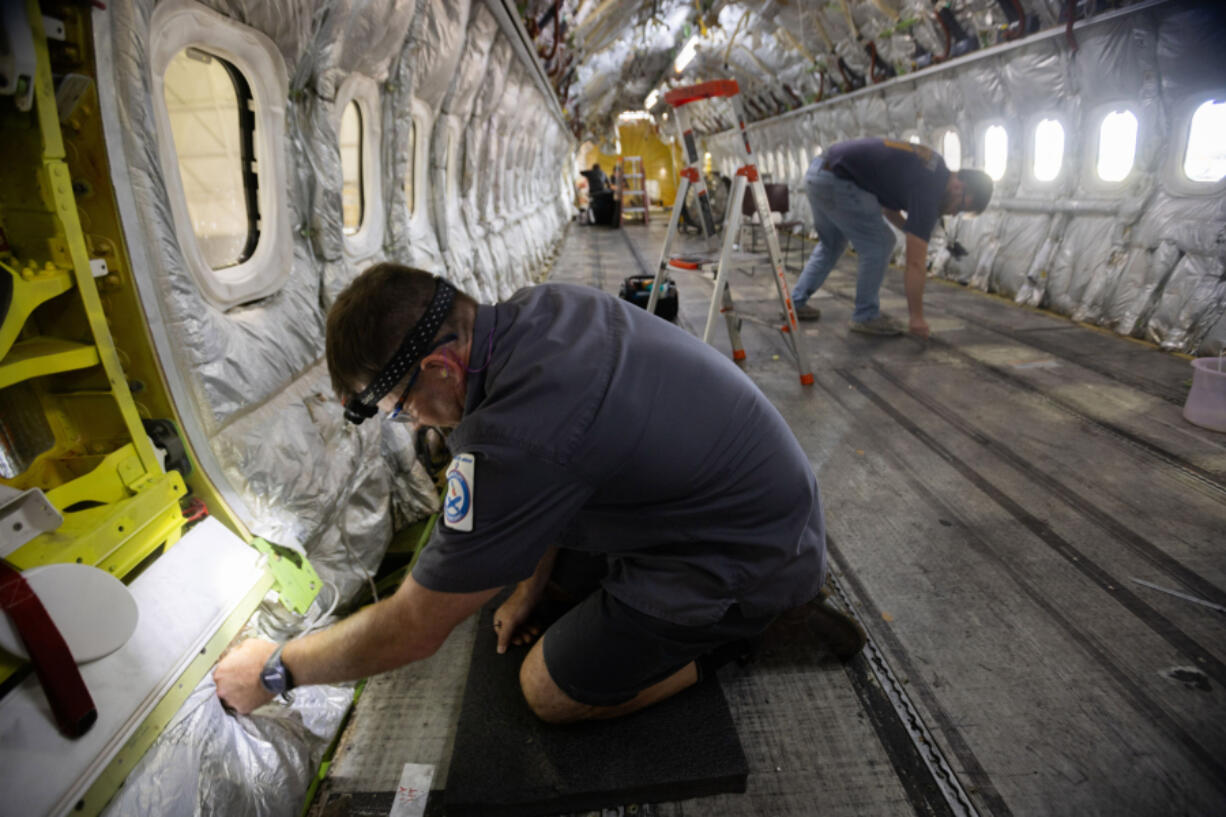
398	414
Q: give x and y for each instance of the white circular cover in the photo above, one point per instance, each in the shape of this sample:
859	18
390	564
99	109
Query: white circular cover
93	610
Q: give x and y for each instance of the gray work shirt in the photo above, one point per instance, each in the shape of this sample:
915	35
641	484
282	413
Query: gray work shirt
902	175
596	426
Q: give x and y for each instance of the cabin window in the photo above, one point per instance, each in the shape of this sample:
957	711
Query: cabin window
995	151
352	200
218	89
1117	146
410	167
951	149
912	136
1204	160
453	181
1048	150
212	121
355	119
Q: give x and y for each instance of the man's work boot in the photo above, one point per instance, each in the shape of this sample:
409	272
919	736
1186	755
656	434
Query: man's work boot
837	630
880	325
808	313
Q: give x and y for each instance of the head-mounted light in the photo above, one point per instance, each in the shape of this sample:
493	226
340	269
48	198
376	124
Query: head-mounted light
413	348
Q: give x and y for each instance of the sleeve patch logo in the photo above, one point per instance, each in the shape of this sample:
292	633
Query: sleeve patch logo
458	500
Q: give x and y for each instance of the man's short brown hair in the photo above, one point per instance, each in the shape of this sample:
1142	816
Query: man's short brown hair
371	317
978	187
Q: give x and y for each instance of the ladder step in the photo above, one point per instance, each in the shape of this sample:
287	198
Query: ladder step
633	209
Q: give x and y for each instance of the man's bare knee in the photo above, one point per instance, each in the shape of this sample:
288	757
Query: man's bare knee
546	700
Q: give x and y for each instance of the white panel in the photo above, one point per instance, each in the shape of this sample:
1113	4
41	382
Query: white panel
184	598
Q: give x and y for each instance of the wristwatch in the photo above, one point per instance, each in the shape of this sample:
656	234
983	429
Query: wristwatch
276	677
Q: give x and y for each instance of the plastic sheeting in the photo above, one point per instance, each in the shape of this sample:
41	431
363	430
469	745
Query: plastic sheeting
208	763
1140	257
307	478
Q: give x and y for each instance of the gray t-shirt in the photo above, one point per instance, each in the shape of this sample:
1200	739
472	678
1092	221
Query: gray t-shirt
902	176
596	426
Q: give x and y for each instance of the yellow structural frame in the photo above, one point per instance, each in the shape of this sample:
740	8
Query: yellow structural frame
126	506
141	502
129	506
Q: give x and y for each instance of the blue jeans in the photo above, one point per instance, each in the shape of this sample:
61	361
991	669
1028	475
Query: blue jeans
841	212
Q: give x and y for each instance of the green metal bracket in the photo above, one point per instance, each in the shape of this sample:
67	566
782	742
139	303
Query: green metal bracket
297	581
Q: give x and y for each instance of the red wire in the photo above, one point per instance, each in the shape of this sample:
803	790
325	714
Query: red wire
1068	30
948	40
557	9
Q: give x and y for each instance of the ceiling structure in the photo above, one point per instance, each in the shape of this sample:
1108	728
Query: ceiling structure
608	56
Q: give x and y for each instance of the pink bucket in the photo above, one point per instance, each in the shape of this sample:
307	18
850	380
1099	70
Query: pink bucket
1206	403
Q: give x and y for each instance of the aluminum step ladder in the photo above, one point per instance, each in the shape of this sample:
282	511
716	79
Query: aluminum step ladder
746	177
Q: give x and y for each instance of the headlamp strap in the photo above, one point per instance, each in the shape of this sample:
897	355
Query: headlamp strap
415	345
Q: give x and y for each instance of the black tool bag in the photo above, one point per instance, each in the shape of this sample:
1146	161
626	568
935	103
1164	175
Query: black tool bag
637	290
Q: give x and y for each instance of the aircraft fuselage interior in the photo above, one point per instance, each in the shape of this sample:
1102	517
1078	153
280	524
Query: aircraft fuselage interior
918	302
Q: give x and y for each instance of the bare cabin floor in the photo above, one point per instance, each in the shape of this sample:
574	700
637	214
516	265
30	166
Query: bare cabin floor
991	499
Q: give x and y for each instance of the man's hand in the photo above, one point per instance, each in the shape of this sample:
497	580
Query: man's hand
510	619
237	676
919	328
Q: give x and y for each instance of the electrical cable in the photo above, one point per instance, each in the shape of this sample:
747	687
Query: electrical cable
323	615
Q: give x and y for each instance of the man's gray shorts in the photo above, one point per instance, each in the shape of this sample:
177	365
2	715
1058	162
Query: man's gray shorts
603	652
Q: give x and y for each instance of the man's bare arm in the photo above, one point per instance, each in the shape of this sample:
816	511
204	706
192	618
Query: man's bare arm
512	616
409	626
913	281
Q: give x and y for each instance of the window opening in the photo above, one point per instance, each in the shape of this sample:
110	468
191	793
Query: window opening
1117	146
452	155
951	150
995	152
212	124
1205	158
1048	150
353	198
410	168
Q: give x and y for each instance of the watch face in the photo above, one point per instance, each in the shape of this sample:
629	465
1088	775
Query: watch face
273	678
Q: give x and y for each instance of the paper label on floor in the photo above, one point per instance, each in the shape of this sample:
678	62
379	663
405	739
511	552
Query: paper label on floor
413	790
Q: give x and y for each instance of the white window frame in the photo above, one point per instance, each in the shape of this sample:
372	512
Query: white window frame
1031	151
1181	124
368	240
939	145
179	24
424	120
1094	129
981	149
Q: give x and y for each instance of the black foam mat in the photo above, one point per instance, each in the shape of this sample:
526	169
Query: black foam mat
507	763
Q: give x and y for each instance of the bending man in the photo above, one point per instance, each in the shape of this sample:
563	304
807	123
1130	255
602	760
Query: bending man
850	187
580	424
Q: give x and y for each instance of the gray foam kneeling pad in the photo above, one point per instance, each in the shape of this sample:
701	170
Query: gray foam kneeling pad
507	763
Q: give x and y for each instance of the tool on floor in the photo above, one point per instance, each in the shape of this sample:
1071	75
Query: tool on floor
746	177
1181	595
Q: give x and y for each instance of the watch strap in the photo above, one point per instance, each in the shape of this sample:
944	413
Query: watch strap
274	660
